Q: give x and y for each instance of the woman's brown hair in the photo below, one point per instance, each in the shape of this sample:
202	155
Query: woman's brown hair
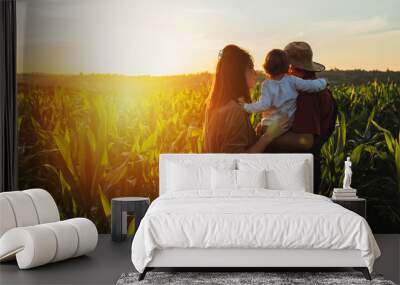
230	79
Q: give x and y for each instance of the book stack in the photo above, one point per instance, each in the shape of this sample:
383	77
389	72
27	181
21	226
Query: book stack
344	194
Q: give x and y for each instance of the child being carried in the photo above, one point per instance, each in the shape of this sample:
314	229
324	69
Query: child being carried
280	91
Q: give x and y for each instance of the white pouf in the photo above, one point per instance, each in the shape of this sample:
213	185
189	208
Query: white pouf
31	232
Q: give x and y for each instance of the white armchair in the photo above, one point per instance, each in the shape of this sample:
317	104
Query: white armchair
31	230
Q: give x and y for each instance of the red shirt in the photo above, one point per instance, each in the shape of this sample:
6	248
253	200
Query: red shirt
314	113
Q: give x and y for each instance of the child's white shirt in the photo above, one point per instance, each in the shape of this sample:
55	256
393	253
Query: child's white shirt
282	94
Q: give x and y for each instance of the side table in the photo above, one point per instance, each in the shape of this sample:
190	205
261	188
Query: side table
120	207
357	205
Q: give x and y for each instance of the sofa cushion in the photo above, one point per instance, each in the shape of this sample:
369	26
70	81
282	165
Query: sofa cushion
26	208
24	211
45	205
7	218
40	244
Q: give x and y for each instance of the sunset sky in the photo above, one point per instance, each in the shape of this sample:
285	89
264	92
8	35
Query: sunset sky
172	37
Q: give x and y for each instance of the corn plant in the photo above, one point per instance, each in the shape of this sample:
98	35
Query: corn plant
95	137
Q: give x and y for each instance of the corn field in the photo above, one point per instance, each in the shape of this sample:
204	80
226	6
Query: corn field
86	146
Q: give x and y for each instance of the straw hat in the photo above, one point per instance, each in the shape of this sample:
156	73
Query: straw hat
301	56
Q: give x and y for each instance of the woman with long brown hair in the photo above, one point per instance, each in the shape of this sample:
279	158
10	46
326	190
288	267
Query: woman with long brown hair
227	127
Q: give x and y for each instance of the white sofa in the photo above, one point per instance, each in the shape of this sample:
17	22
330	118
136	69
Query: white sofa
31	230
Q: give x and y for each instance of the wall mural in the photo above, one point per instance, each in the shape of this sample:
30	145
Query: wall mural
91	125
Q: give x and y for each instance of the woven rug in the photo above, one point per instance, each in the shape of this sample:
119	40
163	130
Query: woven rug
242	278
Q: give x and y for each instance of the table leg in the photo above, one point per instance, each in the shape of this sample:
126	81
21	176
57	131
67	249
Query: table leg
116	221
124	225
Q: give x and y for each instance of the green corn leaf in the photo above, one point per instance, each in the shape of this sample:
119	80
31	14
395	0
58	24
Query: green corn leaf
356	154
105	202
132	227
113	176
149	142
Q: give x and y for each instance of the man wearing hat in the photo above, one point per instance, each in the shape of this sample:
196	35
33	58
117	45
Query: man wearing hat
315	116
